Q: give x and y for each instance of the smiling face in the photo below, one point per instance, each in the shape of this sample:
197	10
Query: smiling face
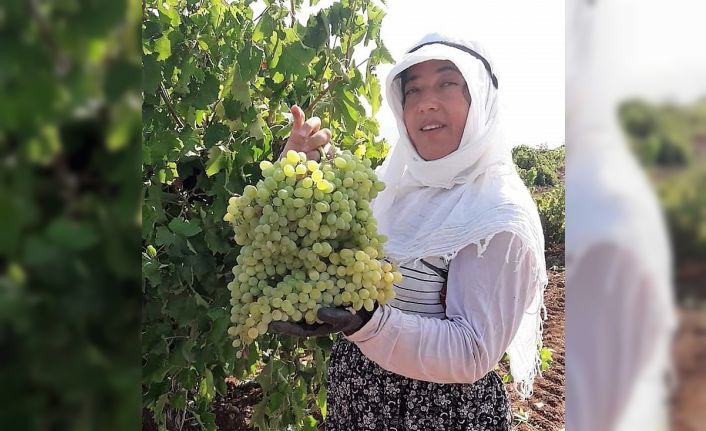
436	103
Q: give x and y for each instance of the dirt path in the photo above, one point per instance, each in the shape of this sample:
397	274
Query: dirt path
545	409
689	401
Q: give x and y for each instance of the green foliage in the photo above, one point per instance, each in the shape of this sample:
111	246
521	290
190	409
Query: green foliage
662	135
684	202
552	212
69	214
539	167
546	355
670	142
542	171
218	84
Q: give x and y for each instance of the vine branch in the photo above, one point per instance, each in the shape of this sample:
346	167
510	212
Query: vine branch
292	5
170	107
257	18
311	106
61	61
351	23
209	120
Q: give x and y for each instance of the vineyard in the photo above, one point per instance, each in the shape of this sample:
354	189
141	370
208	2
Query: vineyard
219	81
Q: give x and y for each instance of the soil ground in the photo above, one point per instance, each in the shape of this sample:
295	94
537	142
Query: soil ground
544	410
689	400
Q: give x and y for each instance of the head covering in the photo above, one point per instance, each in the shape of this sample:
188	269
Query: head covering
438	207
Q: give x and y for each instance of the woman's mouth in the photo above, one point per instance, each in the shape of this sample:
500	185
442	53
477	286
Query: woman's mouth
431	127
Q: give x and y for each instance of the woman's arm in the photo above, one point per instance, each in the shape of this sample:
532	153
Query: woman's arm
486	299
618	324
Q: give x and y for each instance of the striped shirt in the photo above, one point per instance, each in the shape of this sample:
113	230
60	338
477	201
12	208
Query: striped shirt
422	288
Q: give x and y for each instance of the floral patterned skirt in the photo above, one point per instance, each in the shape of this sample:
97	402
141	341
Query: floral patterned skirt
364	396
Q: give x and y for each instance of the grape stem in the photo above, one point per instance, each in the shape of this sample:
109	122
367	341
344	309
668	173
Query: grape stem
61	60
318	98
292	11
170	107
322	154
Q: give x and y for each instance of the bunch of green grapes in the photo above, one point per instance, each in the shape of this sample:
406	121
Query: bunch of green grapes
308	240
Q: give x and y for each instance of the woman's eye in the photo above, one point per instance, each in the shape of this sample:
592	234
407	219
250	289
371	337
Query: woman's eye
410	91
448	83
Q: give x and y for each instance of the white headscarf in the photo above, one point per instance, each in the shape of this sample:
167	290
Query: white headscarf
438	207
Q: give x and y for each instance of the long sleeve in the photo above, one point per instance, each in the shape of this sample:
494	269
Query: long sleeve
618	331
485	301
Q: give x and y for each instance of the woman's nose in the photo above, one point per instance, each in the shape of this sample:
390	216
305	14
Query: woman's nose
428	103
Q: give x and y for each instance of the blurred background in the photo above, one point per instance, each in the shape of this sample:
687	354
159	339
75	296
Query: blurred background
636	170
669	141
70	123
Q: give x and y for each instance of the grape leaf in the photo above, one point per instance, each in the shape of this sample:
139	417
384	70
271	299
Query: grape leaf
185	228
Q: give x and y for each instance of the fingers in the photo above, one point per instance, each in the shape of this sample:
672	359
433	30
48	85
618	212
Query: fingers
329	149
337	317
298	116
304	128
279	327
310	126
320	330
286	328
318	139
306	136
300	329
313	155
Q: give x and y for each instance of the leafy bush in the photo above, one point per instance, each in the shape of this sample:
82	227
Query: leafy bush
552	212
542	171
660	135
69	215
668	136
218	84
684	203
539	167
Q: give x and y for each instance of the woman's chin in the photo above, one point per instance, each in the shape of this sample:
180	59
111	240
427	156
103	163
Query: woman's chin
434	154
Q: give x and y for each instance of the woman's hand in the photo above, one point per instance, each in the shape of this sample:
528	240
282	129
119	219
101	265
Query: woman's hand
335	320
307	136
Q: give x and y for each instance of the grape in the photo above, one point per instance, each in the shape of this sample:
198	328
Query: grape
308	240
317	176
340	162
292	157
289	171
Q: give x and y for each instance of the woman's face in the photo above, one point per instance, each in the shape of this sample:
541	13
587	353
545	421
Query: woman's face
436	103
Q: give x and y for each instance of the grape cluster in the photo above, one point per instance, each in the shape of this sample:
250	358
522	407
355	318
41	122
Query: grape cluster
308	240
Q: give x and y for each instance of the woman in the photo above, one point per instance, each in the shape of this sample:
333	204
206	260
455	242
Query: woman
465	232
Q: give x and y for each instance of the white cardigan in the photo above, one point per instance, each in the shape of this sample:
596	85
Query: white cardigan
485	301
